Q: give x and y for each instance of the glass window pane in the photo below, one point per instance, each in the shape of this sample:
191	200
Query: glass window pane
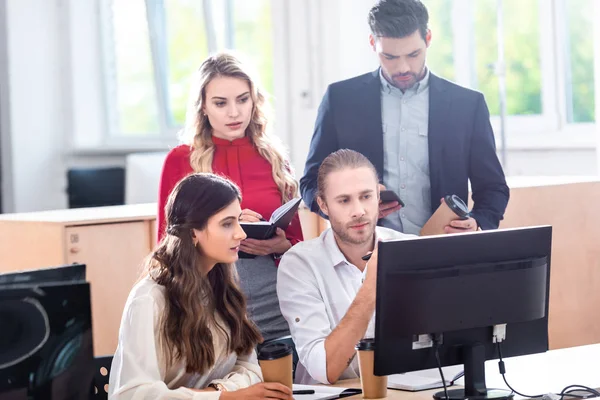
580	61
440	57
188	43
187	48
136	94
522	54
254	37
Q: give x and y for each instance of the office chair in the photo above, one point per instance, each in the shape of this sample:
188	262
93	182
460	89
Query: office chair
95	187
102	365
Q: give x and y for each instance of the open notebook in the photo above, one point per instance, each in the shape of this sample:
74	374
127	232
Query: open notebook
280	218
425	379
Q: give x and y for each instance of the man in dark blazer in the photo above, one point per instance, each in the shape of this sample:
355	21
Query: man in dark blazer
426	136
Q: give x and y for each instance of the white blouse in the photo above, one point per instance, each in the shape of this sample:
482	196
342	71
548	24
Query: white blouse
139	369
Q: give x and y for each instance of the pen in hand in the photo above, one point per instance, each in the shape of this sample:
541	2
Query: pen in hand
306	391
367	257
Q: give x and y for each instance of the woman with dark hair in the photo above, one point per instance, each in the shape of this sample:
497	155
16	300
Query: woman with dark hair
184	332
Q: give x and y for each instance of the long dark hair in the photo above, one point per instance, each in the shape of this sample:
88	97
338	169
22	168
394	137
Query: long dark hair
193	298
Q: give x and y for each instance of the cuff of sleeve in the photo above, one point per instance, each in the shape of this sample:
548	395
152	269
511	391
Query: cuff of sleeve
316	364
229	385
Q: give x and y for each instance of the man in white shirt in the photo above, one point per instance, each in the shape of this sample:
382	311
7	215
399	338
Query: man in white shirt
326	292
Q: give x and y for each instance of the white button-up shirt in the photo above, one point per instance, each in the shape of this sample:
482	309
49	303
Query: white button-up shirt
316	285
140	369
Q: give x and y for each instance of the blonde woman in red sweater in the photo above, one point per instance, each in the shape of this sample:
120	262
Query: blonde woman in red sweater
226	133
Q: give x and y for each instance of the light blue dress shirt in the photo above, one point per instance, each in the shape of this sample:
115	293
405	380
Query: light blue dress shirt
406	153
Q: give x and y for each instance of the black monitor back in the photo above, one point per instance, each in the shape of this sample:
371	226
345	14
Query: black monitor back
460	286
63	273
46	344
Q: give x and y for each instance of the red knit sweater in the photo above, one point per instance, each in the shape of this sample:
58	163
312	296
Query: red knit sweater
240	162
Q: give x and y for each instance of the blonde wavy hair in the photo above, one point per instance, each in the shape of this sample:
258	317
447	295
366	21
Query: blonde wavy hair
198	131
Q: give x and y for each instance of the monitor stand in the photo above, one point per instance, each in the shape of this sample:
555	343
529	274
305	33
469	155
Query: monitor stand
474	360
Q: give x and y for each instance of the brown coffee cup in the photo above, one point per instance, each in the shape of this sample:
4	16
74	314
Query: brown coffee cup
373	387
275	360
452	208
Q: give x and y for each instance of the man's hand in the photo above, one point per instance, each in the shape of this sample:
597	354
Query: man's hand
461	225
277	244
386	209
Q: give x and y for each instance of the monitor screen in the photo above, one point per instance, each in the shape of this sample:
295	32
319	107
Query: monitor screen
458	290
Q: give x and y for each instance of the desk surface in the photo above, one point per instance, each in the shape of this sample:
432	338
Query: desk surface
534	374
514	182
83	216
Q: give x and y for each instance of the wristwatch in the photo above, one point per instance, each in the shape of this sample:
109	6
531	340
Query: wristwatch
218	387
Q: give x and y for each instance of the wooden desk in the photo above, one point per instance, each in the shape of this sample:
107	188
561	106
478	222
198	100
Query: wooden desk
391	394
533	374
111	241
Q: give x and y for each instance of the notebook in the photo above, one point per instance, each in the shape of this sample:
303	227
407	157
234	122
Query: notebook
280	218
424	380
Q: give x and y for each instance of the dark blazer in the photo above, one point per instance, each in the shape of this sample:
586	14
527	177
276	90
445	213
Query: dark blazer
461	142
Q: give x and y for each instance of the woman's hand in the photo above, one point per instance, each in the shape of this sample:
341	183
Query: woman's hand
277	244
260	391
250	216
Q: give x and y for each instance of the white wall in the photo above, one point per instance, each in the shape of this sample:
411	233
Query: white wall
5	142
54	89
36	109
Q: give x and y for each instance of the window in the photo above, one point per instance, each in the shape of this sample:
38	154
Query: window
134	92
441	57
548	63
522	55
153	47
579	71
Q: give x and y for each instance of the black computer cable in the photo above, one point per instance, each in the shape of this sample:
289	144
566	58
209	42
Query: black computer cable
567	391
571	389
436	344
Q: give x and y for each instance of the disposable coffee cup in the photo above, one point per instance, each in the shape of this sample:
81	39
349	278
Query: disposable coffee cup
275	360
452	208
373	387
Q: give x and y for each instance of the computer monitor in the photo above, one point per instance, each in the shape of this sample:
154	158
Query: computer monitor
63	273
457	289
46	344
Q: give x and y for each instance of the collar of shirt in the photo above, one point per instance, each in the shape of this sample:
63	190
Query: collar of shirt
418	88
337	257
